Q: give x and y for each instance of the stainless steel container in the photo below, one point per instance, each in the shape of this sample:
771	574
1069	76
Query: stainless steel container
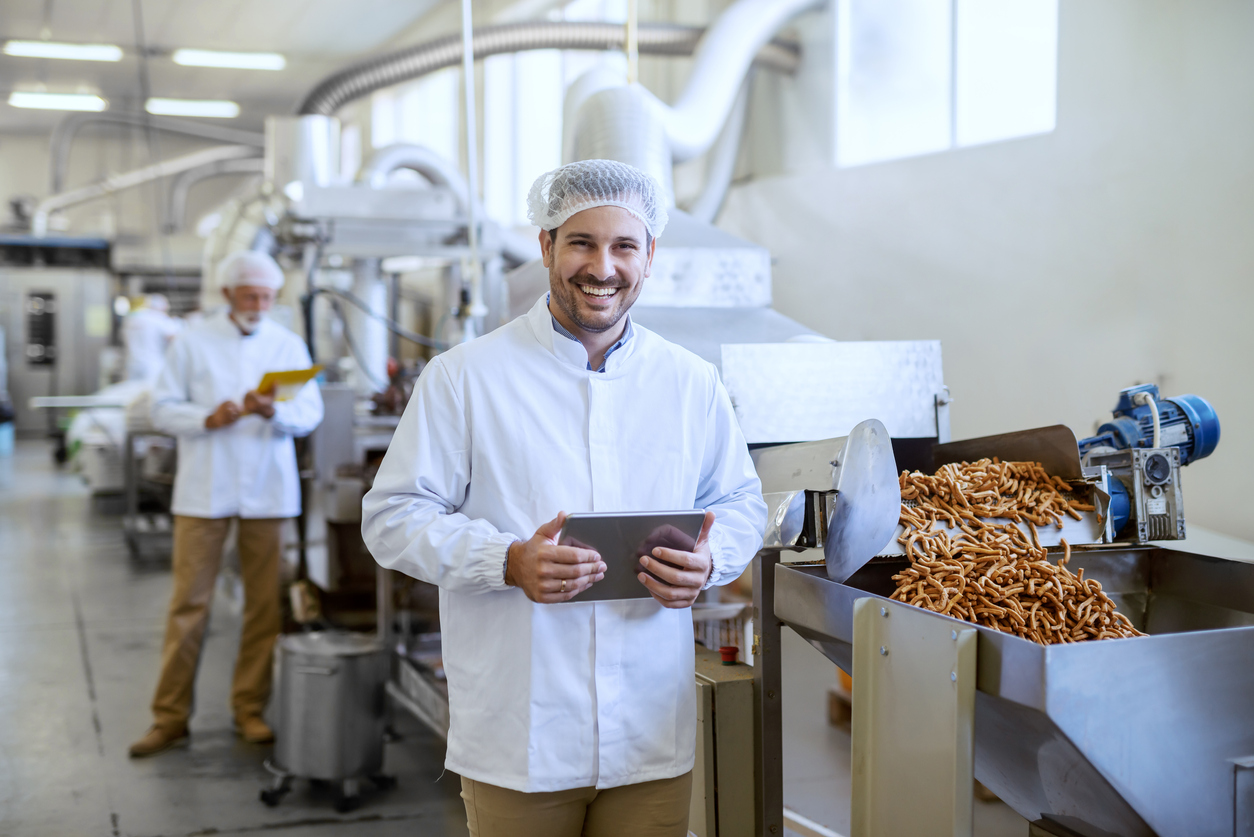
331	705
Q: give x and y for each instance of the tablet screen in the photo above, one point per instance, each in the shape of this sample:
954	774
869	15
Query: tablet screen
622	539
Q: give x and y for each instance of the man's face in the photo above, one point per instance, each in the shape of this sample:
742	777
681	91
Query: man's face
249	304
597	266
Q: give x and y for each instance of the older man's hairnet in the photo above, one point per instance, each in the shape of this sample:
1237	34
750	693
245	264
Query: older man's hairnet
248	267
575	187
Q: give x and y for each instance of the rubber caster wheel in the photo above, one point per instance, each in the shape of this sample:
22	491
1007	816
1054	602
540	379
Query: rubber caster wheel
271	796
383	782
345	804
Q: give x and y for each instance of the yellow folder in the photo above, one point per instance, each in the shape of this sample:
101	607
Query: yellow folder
286	384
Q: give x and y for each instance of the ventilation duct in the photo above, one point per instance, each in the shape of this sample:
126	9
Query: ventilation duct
67	129
366	77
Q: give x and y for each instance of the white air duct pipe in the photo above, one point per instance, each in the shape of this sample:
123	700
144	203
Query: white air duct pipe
440	172
619	124
130	179
721	166
181	187
67	129
366	335
719	67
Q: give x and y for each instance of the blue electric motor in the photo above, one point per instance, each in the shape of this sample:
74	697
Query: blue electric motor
1187	422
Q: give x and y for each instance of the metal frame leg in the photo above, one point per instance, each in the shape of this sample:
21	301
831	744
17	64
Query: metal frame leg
768	705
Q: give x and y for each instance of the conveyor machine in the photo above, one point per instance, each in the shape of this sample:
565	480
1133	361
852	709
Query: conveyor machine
1142	736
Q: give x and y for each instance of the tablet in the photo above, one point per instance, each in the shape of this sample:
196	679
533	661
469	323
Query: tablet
621	539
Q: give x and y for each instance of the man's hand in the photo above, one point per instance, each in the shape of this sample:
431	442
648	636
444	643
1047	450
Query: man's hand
228	413
260	403
689	573
549	573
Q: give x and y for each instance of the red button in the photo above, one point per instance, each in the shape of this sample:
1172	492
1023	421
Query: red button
730	653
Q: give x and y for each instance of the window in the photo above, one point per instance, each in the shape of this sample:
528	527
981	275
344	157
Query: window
426	111
522	128
919	76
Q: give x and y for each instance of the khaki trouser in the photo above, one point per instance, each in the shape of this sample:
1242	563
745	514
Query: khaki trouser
198	545
649	809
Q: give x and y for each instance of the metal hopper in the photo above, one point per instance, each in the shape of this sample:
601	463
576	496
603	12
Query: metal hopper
1138	736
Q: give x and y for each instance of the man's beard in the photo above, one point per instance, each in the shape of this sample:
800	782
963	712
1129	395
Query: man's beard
248	321
568	301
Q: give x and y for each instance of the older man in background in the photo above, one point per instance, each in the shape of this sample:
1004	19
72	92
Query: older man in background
237	462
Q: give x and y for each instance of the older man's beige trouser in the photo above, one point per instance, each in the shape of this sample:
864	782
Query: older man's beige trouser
197	555
648	809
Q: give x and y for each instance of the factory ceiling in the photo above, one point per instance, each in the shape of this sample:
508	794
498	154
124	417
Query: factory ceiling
315	36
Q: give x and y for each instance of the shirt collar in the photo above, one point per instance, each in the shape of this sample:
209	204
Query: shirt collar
561	329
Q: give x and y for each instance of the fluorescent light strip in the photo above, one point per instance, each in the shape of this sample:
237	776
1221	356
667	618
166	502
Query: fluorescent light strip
69	52
233	60
216	108
57	101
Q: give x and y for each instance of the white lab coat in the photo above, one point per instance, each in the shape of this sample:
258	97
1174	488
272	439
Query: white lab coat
147	334
247	469
503	433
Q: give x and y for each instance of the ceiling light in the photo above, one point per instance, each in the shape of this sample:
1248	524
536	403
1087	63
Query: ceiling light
71	52
234	60
57	101
218	108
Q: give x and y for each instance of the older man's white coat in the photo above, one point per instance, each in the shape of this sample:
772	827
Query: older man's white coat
503	433
247	469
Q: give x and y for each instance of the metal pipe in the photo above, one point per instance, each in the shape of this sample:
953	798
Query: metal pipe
721	166
67	129
130	179
366	77
718	69
176	213
440	172
475	309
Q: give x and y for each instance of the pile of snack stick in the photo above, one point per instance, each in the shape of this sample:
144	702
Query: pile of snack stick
981	567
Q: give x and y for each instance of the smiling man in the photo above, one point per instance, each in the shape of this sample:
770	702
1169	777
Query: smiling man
568	718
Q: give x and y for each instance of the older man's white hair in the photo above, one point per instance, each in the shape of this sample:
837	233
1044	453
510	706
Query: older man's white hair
249	267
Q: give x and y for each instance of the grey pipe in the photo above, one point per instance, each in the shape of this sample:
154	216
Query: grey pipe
439	172
131	179
181	186
64	133
366	77
432	166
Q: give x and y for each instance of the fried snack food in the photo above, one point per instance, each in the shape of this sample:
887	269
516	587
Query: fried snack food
984	569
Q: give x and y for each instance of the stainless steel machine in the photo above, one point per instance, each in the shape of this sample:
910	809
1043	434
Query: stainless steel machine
56	318
1143	736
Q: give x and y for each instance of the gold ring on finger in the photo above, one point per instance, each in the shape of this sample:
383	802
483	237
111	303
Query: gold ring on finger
563	585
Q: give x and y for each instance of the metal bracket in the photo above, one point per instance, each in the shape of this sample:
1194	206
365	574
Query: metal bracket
943	400
1243	796
913	722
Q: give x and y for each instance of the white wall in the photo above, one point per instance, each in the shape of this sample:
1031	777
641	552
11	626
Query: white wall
1055	270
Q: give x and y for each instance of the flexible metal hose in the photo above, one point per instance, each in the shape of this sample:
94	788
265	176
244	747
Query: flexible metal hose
366	77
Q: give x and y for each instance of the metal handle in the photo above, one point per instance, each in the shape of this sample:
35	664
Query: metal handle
325	672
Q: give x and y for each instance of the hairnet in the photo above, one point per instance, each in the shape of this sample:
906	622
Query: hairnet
157	302
249	267
574	187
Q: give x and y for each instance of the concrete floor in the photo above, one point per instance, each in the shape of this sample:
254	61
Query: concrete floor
80	632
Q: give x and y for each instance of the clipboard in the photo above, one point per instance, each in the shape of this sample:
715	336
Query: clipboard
286	384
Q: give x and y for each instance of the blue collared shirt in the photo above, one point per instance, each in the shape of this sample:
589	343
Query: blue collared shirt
561	329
